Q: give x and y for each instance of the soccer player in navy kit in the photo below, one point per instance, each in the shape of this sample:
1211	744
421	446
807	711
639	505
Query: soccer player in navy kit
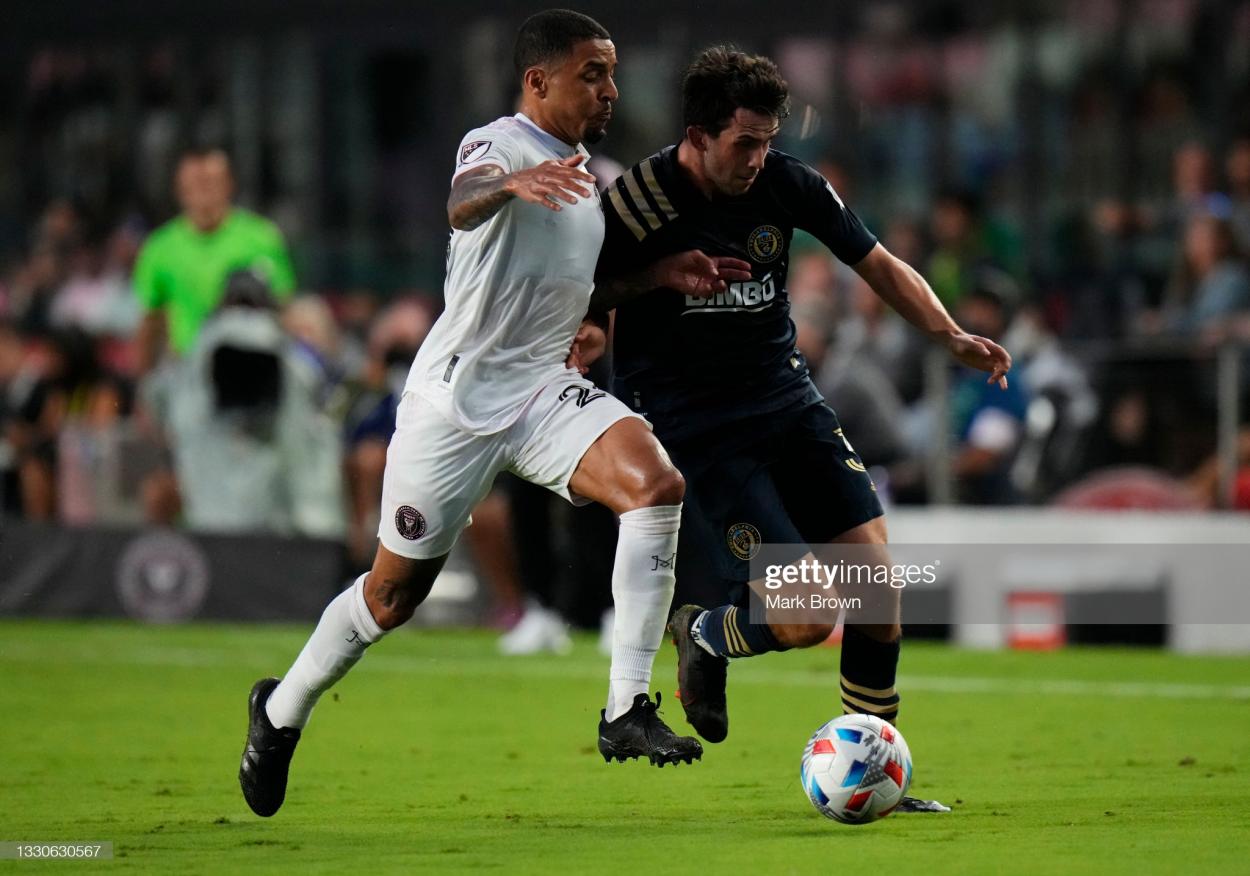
726	390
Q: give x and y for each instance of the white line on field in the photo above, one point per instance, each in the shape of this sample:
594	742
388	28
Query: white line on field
574	668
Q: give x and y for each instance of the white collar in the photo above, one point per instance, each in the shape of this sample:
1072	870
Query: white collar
549	140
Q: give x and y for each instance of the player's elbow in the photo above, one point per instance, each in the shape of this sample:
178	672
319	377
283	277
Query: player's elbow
456	217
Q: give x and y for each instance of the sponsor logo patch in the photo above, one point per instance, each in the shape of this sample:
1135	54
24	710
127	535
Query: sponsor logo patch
410	522
473	151
744	540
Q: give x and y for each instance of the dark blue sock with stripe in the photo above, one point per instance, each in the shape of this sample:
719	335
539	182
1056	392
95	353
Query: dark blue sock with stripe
727	632
868	670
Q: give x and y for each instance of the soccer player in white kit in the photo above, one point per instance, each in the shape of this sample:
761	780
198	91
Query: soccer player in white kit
491	390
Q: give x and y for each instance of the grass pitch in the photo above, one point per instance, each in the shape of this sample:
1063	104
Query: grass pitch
436	755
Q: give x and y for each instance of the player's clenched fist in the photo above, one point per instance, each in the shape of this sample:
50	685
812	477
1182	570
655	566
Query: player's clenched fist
551	182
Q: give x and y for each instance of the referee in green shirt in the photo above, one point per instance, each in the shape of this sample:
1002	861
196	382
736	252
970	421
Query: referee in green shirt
181	271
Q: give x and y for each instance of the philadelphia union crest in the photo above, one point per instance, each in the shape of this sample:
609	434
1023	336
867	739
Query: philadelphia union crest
764	244
744	540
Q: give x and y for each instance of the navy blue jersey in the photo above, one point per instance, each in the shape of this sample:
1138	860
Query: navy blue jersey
692	364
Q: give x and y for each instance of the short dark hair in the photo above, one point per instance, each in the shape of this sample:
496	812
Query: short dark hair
200	151
551	34
722	80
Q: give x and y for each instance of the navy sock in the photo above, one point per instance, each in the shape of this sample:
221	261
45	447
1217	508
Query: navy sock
727	632
868	670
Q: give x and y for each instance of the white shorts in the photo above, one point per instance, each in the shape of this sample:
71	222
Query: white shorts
436	473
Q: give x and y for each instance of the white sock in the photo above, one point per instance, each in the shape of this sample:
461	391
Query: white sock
642	590
345	630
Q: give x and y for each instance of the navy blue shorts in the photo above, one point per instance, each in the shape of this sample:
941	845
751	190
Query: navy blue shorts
785	478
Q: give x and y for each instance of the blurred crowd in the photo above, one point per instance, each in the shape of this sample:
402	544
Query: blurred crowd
178	377
1115	352
181	375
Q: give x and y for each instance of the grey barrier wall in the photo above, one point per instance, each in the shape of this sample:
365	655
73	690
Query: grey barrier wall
157	575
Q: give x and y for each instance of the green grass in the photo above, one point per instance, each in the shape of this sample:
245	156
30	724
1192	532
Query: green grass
435	755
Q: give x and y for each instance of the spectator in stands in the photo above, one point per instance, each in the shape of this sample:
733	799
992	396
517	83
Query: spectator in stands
853	375
181	271
96	296
1193	179
318	349
17	381
1211	285
1237	170
965	241
51	385
987	423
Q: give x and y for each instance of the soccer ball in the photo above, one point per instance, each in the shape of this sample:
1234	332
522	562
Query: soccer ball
856	769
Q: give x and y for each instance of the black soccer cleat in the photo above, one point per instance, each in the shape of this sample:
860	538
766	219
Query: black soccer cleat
915	804
641	733
267	755
700	679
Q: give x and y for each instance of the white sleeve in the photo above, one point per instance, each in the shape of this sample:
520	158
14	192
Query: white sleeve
489	145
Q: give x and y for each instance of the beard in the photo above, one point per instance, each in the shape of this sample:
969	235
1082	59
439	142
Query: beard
594	134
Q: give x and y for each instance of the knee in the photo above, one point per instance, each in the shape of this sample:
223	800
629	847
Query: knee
665	486
802	635
887	634
392	602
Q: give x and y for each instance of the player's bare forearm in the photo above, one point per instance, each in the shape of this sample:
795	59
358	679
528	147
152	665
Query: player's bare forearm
476	196
613	291
899	285
689	273
479	194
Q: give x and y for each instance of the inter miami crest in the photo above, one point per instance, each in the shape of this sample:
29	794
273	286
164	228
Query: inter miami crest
409	522
764	244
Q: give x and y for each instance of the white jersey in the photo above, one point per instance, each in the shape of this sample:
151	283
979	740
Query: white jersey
517	289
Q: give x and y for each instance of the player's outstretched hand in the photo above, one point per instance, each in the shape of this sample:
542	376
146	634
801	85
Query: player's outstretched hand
588	345
982	354
695	273
551	182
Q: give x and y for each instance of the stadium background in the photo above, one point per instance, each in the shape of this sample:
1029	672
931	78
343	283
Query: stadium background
1073	177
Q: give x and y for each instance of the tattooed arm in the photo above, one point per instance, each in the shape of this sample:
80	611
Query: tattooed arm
479	194
690	273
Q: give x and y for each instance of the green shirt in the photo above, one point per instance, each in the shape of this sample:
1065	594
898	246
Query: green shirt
184	270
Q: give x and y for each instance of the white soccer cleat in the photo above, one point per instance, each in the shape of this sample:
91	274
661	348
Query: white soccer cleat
539	630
